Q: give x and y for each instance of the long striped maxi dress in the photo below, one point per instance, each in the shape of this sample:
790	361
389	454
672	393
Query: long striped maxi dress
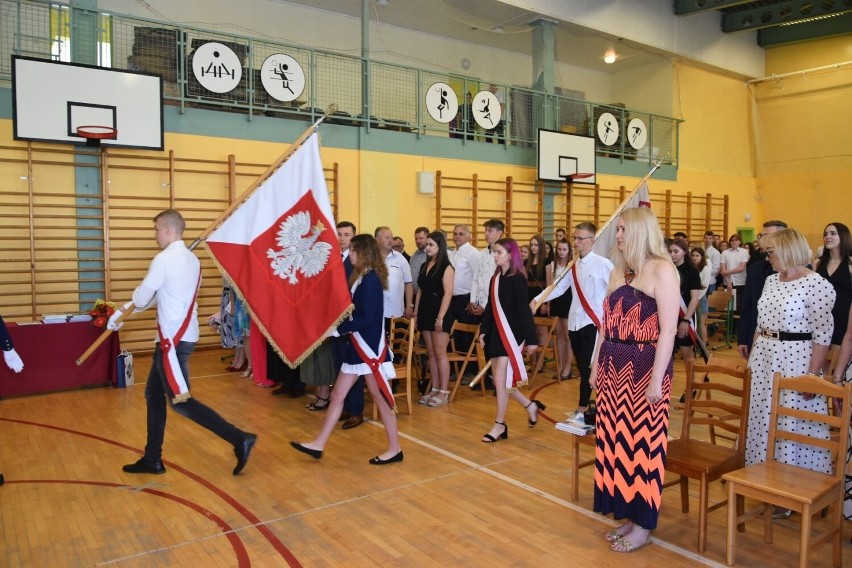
631	434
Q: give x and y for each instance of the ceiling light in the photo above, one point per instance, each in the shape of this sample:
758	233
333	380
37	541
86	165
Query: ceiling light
497	29
610	57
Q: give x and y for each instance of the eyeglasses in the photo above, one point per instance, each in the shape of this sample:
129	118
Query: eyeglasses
769	251
581	238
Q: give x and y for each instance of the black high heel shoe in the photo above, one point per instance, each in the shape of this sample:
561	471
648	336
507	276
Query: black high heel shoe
540	407
489	439
316	454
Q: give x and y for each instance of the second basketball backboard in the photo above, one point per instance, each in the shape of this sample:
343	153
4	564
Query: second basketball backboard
52	99
562	155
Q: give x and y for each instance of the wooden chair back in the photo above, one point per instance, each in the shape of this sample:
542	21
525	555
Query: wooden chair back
549	346
402	336
719	402
818	386
461	358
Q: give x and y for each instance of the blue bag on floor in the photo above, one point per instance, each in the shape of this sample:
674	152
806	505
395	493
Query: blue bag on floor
124	369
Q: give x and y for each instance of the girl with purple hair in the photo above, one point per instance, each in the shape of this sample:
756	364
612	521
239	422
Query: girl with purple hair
507	330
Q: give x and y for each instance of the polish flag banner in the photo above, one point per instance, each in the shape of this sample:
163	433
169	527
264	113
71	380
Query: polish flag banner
605	239
280	251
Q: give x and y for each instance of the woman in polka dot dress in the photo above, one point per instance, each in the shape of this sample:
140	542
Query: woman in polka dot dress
794	327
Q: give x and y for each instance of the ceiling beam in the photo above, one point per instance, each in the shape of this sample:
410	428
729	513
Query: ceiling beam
782	13
839	25
687	7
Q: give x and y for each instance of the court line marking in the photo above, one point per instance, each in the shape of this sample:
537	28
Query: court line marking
549	496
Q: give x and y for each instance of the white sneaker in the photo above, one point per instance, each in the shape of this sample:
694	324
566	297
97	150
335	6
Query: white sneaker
577	418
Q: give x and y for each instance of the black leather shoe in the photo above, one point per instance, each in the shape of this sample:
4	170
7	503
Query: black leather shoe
316	454
143	466
242	451
397	458
297	393
344	416
353	422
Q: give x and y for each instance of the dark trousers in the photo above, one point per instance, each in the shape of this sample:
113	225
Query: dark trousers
583	345
156	395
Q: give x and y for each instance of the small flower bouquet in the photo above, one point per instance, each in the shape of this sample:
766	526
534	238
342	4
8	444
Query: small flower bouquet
101	312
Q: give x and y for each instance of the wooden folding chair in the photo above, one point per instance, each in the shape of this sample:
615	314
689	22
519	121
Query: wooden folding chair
549	346
791	487
461	358
402	336
724	406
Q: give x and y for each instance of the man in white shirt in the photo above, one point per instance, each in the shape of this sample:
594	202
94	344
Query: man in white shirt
465	261
592	272
714	257
418	259
399	297
485	268
732	267
173	279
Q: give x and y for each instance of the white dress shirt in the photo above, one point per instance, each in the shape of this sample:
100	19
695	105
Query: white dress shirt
399	274
733	258
171	283
465	261
485	268
594	271
714	257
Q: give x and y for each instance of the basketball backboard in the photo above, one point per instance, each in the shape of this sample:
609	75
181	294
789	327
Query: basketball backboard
561	155
50	100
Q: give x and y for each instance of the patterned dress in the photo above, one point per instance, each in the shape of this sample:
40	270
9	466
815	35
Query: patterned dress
798	306
631	434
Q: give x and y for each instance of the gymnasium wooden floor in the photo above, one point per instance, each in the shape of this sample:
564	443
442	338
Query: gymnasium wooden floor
454	501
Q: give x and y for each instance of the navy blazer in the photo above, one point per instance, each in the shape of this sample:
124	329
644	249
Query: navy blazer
367	318
756	276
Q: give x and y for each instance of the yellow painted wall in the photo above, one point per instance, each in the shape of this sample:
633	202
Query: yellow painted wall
802	130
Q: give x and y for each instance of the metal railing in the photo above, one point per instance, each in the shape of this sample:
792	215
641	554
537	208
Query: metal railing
367	93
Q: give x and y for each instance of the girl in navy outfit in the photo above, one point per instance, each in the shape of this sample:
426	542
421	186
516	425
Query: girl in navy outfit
368	280
507	324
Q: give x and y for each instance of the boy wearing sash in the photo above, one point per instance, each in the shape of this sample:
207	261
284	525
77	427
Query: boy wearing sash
589	278
172	282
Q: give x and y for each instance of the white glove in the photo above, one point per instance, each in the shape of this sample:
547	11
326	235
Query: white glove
111	325
13	360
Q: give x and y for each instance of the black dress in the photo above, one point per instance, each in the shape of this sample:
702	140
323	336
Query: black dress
512	295
431	285
690	280
841	279
560	306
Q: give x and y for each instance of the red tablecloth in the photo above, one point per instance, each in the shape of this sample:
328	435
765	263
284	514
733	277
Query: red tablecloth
49	352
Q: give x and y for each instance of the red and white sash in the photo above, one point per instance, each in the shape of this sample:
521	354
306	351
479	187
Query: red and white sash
368	356
175	381
516	372
582	297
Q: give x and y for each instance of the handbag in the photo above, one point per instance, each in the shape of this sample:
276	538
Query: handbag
590	413
124	369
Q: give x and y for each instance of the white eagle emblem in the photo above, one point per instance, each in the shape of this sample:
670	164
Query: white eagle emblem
299	253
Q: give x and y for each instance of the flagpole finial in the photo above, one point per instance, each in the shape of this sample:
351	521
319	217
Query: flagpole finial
331	109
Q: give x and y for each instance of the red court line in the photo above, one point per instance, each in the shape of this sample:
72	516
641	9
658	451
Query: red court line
239	549
248	515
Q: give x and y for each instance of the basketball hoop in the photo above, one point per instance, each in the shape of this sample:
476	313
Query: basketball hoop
571	178
94	134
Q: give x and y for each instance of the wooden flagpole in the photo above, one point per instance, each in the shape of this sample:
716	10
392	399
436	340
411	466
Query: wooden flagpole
609	221
225	214
564	272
